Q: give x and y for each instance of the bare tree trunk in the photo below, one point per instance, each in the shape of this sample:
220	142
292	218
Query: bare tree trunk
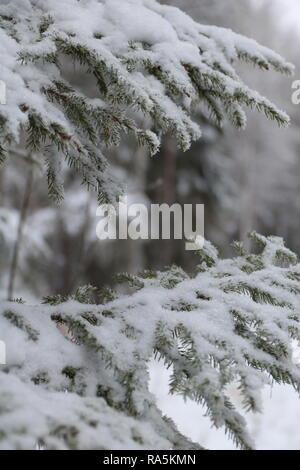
169	170
168	195
2	179
248	181
18	242
136	248
83	249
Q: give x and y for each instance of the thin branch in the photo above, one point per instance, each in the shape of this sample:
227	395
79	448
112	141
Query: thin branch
18	242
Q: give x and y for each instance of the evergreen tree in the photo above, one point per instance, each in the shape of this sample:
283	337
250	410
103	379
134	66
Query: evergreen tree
232	321
77	366
162	66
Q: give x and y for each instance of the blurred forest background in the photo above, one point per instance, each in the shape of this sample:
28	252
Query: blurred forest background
248	180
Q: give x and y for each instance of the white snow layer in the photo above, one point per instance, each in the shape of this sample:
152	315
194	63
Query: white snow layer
216	329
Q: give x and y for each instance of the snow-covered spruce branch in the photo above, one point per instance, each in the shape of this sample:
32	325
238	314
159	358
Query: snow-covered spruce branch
77	374
137	56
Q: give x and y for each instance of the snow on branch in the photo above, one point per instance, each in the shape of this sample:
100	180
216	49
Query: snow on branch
77	373
134	57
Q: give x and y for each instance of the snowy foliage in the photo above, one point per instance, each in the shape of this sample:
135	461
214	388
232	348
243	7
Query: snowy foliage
77	374
162	65
77	366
